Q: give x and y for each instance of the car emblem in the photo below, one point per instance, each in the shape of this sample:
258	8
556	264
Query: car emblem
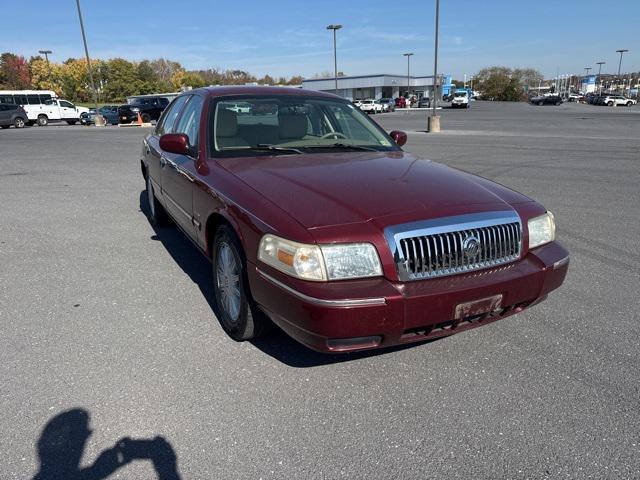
471	247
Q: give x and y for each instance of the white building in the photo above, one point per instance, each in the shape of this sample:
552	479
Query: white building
377	86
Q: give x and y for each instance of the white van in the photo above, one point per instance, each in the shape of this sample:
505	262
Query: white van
42	106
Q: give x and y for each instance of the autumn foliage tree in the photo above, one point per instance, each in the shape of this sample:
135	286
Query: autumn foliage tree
116	78
14	72
506	84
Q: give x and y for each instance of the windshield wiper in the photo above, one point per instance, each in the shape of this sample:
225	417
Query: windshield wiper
344	145
265	147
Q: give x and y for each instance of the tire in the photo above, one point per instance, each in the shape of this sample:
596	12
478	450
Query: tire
629	104
610	104
238	315
558	103
540	104
18	122
72	122
43	120
145	118
157	214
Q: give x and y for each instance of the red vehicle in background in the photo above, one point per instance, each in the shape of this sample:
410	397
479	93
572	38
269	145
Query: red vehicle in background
401	102
315	219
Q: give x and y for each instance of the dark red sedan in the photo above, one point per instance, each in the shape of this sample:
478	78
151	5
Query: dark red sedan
314	218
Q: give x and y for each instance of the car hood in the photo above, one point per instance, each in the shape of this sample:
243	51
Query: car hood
320	190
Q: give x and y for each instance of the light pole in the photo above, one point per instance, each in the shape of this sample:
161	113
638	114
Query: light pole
434	120
46	56
335	55
621	52
408	55
599	78
98	120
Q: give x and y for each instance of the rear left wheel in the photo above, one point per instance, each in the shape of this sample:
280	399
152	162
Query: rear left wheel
238	315
18	122
43	120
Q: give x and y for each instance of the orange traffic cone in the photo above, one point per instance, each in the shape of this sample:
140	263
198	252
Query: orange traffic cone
139	120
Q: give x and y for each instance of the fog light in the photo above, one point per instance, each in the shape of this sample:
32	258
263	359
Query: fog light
355	343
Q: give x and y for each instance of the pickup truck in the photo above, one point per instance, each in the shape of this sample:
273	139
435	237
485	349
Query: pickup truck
55	109
461	98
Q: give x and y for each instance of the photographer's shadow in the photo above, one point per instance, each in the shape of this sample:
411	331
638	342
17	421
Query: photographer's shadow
62	442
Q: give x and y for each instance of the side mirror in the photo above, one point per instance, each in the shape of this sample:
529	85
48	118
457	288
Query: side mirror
175	143
399	137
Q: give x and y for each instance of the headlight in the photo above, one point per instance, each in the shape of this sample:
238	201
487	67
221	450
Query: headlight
320	263
542	230
135	109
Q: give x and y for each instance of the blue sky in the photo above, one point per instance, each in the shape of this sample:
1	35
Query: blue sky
286	37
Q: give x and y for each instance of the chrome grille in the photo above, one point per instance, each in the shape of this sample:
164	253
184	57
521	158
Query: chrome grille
452	245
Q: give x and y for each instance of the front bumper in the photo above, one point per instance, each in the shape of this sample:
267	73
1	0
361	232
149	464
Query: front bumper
127	117
358	315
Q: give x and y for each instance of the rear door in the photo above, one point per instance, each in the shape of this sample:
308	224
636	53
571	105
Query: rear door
178	171
5	115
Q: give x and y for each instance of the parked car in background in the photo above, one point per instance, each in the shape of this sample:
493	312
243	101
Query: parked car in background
424	102
12	114
545	100
461	98
42	106
617	101
149	108
575	97
371	106
357	102
307	225
388	104
401	102
109	112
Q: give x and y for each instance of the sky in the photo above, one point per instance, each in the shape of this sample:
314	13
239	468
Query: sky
286	37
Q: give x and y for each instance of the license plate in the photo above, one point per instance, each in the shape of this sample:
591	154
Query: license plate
477	307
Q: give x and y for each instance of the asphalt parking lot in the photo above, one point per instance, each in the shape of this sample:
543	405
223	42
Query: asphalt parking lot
100	312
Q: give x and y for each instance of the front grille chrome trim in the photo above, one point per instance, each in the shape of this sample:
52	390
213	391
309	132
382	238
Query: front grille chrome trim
436	248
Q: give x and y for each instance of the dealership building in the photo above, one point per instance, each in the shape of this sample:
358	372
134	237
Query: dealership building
378	86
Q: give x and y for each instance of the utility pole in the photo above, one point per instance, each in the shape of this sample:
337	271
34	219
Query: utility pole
599	77
434	120
408	55
335	54
98	119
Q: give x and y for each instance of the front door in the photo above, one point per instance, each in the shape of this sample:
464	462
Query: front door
67	110
178	171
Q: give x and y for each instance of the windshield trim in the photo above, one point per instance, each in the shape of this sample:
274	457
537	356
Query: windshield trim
215	154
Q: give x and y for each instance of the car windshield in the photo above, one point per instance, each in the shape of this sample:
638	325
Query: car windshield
460	94
276	123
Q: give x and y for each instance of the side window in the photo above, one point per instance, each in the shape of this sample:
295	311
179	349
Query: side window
20	99
44	98
33	99
6	99
190	120
165	125
66	104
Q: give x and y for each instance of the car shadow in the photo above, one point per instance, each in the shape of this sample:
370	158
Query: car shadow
62	443
276	344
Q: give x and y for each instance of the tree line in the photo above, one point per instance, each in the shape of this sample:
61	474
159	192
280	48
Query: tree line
117	78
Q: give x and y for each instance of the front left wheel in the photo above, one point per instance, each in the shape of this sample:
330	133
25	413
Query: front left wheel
19	122
157	214
237	313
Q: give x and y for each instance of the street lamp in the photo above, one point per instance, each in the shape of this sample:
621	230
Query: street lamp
46	56
98	120
408	55
335	55
434	120
621	52
599	78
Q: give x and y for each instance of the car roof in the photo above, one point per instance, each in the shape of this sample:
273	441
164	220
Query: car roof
231	90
